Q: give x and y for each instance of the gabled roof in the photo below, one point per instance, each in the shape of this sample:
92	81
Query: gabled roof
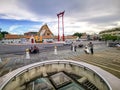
45	29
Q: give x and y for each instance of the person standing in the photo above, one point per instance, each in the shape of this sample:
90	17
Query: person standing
86	50
91	47
75	46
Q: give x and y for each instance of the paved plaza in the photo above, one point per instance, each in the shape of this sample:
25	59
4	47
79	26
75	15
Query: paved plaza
105	57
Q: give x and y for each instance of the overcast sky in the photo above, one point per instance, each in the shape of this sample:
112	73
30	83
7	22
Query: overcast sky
90	16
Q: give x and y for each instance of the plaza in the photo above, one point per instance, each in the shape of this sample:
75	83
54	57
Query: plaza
104	57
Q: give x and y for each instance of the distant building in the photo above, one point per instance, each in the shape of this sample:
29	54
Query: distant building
70	37
30	33
12	38
43	35
114	31
46	33
85	36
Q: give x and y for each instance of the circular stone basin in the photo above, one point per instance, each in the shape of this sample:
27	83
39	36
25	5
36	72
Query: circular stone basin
60	75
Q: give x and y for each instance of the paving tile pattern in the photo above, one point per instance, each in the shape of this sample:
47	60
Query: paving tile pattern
105	57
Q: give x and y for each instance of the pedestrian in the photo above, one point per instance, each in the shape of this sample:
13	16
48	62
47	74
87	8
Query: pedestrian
36	49
75	48
71	46
86	50
31	50
74	45
91	47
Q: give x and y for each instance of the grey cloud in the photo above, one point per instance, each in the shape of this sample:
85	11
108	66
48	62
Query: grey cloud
103	19
52	7
75	10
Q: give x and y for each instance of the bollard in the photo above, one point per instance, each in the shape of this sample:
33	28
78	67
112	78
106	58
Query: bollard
55	50
27	54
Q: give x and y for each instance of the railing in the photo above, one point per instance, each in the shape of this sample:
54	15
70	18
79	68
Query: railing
80	68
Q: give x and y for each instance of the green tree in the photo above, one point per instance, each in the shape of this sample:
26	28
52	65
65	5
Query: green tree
109	37
1	36
3	33
77	34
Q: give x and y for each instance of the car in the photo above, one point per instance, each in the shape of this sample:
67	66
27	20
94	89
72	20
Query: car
50	41
79	43
118	46
67	42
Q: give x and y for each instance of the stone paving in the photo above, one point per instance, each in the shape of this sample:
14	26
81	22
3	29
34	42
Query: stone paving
108	59
105	57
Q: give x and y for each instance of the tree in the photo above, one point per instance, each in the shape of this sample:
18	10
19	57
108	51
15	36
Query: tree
0	30
3	33
1	36
109	37
77	34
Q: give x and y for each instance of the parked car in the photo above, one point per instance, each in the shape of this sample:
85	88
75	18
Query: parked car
118	46
79	43
50	41
67	42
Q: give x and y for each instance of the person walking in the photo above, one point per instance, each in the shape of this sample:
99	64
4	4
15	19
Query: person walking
91	47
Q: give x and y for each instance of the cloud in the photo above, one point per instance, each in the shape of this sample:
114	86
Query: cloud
13	27
11	10
80	15
34	28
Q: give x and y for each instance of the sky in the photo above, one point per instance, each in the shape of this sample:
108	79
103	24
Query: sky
90	16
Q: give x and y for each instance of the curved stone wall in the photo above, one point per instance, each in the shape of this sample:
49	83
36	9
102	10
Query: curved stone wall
16	79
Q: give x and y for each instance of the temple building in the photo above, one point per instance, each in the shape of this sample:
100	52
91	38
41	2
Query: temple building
43	35
46	34
30	33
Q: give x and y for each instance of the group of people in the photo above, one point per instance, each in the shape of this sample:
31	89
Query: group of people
34	50
89	48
